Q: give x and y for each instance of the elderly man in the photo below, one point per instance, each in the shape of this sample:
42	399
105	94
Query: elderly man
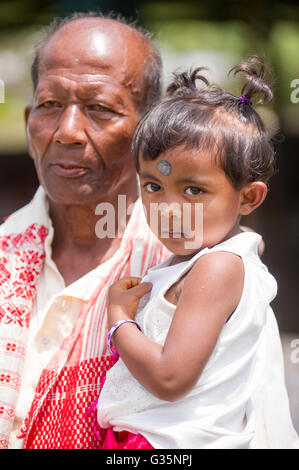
93	77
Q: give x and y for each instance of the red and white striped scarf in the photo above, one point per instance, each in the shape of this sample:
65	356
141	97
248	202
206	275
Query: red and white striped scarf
70	382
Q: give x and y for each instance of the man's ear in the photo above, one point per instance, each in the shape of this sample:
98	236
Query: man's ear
252	196
27	112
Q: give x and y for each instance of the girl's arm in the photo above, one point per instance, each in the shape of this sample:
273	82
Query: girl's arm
211	292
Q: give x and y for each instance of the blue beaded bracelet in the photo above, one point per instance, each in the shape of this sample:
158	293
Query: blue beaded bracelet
109	338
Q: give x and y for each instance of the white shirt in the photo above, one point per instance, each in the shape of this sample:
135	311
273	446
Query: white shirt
234	402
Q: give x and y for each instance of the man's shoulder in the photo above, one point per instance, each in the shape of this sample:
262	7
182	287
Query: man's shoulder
14	221
34	212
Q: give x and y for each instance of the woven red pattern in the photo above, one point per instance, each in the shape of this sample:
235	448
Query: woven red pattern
20	264
60	422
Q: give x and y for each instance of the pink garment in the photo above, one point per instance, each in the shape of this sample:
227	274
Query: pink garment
123	440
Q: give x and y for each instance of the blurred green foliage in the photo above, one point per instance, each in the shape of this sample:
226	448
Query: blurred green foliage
184	30
183	35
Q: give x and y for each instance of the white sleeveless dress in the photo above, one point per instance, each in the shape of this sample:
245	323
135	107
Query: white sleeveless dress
240	400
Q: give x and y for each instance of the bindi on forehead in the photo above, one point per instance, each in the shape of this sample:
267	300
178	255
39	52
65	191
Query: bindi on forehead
164	167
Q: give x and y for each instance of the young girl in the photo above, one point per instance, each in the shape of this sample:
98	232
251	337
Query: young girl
200	357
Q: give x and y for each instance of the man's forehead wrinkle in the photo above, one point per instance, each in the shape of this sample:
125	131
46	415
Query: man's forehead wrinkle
62	76
84	86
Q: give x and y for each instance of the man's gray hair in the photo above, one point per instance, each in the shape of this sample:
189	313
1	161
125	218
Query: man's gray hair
152	82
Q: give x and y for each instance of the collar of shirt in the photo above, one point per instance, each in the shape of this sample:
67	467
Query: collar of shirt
55	285
57	306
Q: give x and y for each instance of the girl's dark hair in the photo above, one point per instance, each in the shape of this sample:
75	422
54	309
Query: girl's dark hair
210	119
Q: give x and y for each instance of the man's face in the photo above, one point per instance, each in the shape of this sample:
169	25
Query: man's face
84	116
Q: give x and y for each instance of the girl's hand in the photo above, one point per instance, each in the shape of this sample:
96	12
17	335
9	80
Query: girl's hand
124	297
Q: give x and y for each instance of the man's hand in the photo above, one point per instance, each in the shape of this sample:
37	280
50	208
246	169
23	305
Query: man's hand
261	247
124	297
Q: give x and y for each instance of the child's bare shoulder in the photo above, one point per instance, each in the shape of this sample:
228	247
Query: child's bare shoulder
219	269
218	265
216	277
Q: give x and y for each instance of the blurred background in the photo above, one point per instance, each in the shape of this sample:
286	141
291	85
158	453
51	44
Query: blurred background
216	34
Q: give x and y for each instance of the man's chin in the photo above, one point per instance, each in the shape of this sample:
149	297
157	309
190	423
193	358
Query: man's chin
73	195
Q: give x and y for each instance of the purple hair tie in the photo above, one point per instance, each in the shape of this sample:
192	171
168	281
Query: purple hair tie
244	99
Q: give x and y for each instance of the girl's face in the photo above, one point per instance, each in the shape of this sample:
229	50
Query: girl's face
198	205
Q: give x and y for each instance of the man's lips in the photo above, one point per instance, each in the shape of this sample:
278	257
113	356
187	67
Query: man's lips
69	170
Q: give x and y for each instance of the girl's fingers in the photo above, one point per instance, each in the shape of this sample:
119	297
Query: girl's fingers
142	289
130	282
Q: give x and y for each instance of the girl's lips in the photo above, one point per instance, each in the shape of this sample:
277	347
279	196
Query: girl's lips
175	235
69	171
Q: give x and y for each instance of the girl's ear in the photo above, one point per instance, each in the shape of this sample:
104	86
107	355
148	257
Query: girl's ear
252	195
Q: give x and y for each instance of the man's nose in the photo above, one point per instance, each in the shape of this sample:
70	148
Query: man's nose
71	127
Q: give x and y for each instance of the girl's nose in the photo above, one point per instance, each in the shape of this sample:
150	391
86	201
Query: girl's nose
171	210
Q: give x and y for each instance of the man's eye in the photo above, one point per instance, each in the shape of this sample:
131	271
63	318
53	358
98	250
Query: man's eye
99	108
51	104
193	191
152	187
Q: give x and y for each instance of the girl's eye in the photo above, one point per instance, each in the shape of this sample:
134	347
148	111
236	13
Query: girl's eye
152	187
193	191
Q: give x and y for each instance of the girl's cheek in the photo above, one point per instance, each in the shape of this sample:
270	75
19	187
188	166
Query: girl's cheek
146	207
